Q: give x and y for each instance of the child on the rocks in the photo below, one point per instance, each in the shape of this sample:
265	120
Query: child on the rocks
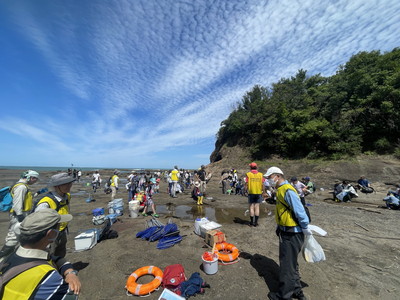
149	191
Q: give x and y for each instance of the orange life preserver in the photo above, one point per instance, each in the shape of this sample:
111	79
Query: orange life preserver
143	289
229	251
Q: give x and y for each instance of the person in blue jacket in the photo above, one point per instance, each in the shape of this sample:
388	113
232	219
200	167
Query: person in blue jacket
292	224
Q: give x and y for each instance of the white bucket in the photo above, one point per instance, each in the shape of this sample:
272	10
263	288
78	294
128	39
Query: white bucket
210	267
197	224
134	207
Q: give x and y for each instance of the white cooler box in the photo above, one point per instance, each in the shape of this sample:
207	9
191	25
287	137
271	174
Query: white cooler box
208	226
86	240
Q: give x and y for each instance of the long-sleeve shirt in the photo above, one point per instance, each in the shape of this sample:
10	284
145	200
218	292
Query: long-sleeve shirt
19	193
293	200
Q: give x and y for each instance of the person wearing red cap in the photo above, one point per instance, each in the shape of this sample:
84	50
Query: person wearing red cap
255	188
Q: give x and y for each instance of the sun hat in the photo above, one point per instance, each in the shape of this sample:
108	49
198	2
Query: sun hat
116	172
60	179
307	178
176	167
253	165
196	184
273	170
30	173
41	220
293	179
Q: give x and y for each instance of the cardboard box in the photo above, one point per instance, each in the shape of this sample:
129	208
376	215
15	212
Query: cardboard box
214	236
208	226
86	240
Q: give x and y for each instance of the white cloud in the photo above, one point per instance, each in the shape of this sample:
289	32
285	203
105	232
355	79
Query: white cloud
144	76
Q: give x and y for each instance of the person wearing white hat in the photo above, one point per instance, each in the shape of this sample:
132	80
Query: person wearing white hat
30	273
21	207
58	200
292	224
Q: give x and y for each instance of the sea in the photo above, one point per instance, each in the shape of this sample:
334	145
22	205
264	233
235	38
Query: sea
83	169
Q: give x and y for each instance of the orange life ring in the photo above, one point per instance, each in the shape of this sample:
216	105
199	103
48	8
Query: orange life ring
143	289
228	253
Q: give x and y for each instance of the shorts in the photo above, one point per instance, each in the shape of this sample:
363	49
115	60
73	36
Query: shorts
149	201
255	198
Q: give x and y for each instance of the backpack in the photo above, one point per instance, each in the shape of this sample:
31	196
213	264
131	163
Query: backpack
52	197
173	276
108	182
366	189
6	199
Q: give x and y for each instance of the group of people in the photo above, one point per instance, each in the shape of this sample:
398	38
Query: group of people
36	242
230	182
76	174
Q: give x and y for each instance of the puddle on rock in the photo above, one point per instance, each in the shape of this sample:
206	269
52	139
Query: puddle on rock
219	215
79	193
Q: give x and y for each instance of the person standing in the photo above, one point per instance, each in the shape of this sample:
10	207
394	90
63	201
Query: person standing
21	206
224	180
43	278
174	176
201	176
114	184
58	200
255	187
292	224
300	187
96	180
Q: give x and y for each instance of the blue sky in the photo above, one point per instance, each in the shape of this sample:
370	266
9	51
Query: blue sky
146	83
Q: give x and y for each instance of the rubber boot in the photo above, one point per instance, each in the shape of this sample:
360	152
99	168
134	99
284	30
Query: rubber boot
6	250
251	221
198	200
201	200
255	221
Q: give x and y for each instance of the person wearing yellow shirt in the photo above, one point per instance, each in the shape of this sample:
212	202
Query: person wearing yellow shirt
21	207
174	176
255	188
114	184
59	200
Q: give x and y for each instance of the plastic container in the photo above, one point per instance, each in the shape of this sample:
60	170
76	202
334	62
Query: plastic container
210	263
134	206
197	223
110	206
86	240
209	225
118	202
98	211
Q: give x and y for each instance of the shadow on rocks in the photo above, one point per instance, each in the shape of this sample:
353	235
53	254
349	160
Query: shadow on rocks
238	220
265	267
79	265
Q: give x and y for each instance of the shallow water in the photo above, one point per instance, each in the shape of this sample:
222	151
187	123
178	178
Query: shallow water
191	212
